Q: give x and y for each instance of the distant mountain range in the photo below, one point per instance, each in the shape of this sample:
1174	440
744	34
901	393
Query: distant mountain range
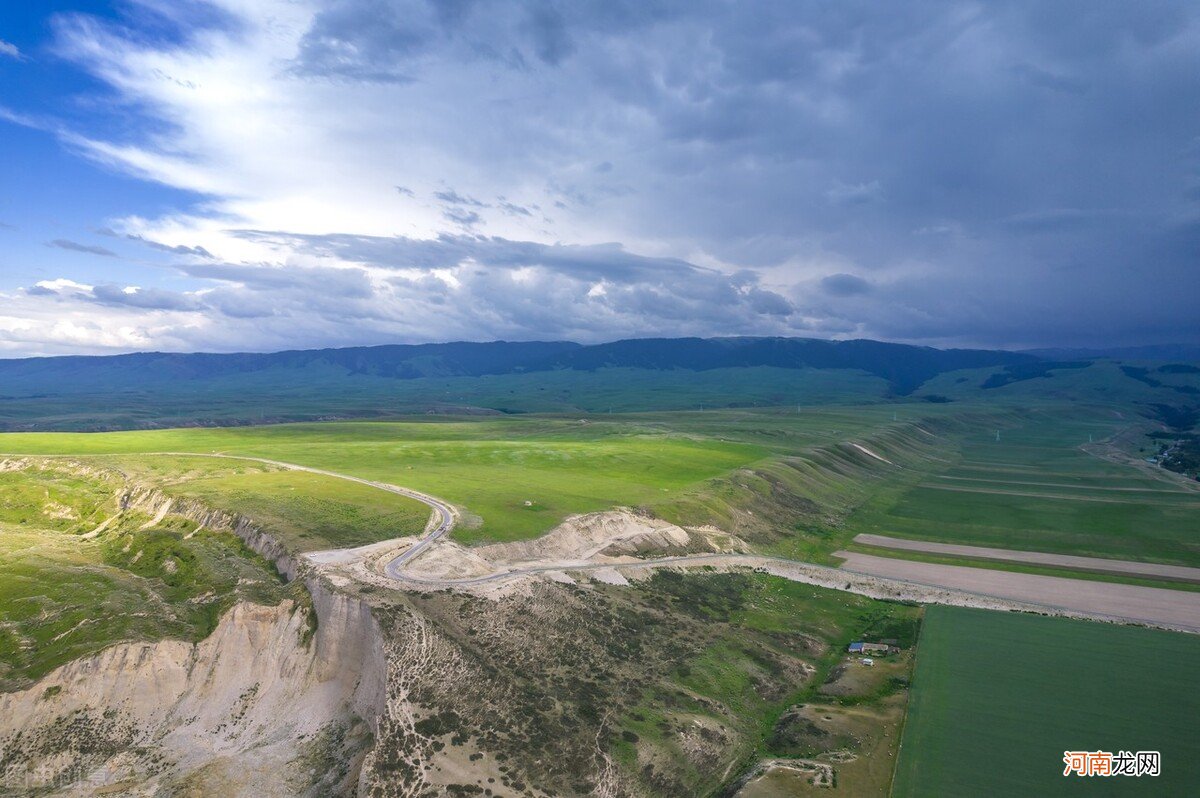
904	367
1158	352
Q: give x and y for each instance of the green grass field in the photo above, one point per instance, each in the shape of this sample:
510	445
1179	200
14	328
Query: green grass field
1039	489
998	697
784	478
492	467
64	594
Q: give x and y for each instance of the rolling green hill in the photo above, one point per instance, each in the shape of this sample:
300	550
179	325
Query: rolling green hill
154	390
160	390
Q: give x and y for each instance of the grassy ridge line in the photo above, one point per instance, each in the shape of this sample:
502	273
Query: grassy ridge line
784	480
796	504
520	477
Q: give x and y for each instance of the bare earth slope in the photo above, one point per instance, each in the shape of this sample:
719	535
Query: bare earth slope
237	714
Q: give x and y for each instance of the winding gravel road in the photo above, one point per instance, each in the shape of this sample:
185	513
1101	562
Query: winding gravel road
1170	608
443	513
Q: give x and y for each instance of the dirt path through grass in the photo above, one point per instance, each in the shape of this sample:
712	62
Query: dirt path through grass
1176	609
1154	570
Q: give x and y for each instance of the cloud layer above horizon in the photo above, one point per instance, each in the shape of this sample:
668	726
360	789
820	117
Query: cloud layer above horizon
365	171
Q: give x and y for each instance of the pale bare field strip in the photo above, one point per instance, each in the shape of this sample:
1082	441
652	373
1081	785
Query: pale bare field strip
1005	468
1175	492
1032	495
1128	567
1176	609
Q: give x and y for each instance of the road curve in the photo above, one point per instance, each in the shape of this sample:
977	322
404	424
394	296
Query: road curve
1169	608
442	520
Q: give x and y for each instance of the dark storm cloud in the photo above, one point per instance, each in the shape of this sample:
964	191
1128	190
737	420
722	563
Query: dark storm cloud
450	288
1015	173
74	246
365	40
178	249
146	299
551	38
383	40
344	283
527	289
462	217
845	285
452	197
585	262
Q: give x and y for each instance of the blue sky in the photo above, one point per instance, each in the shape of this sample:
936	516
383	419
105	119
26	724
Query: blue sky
50	193
258	174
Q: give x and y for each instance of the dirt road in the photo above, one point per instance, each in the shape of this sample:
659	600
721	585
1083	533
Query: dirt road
1173	608
1147	569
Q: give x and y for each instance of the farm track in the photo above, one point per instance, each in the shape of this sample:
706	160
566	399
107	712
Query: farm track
1059	496
1176	609
1103	565
1068	486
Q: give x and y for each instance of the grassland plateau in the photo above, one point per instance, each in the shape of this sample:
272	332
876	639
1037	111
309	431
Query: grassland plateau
128	544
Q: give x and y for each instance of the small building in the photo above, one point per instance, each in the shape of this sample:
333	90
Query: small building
855	648
868	648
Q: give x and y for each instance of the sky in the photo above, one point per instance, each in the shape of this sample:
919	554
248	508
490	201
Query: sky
233	175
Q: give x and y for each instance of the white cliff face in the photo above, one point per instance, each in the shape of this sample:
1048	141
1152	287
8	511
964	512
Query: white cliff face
257	708
264	706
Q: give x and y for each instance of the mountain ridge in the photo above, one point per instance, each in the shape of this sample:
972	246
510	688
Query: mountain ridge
904	366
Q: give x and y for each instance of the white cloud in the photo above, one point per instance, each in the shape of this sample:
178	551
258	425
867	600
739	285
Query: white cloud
10	50
413	290
423	171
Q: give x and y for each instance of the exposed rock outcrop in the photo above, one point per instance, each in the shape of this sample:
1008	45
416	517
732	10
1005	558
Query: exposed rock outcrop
263	706
619	531
278	700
